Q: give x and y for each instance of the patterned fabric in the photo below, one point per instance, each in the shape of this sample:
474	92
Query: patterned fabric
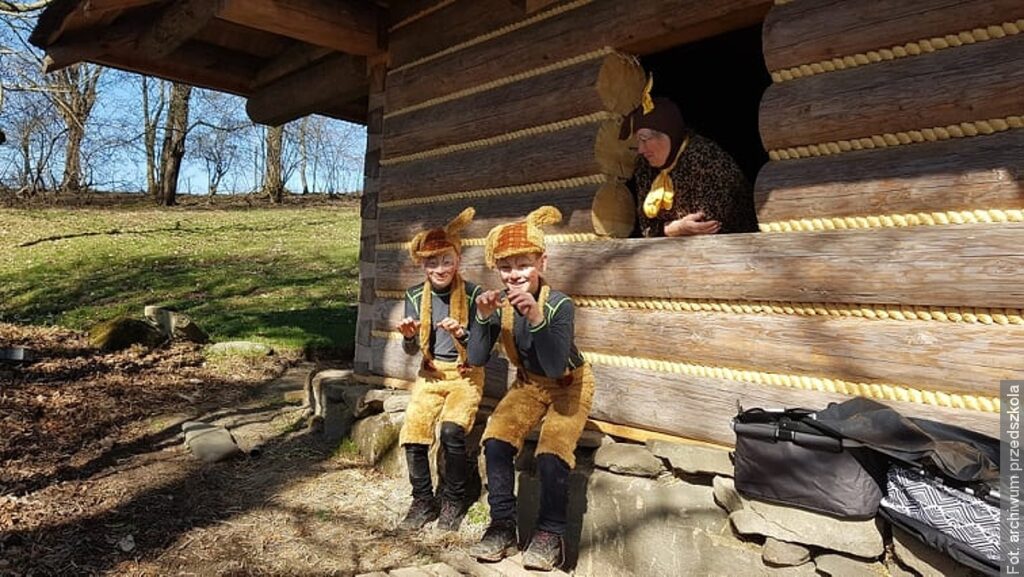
428	243
705	179
954	513
521	237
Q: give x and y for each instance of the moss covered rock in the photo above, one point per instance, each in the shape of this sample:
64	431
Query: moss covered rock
121	333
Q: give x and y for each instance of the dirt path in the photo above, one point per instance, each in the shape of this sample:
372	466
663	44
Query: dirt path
141	505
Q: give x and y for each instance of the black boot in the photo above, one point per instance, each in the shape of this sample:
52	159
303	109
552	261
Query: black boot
453	493
544	552
500	540
424	508
421	512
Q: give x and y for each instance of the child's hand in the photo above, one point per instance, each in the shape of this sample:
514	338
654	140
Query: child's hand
452	326
527	306
488	302
409	327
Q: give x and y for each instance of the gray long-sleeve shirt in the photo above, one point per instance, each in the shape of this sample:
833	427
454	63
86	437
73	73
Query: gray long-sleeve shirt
547	349
442	345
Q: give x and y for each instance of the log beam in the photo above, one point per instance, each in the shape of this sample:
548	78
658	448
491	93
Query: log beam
977	82
956	266
812	31
175	25
329	83
348	26
989	174
296	57
576	151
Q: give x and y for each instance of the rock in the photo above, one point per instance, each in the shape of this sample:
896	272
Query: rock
122	333
628	459
693	459
240	348
209	443
376	436
175	325
352	396
751	517
843	566
398	402
644	526
373	401
924	560
781	554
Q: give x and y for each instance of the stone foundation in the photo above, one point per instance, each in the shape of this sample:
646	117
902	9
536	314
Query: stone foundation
663	509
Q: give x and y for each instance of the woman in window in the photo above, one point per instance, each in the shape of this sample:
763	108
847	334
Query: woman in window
686	183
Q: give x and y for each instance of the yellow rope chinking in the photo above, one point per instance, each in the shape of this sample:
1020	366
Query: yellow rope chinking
981	216
924	46
566	238
966	315
962	130
599	53
500	191
496	33
804	382
508	136
972	315
884	391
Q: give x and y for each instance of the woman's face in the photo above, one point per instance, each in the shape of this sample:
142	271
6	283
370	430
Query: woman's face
654	146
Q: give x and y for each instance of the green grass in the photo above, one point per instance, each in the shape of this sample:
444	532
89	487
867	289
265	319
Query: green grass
285	277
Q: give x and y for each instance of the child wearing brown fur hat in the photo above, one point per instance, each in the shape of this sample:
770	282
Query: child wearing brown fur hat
437	315
554	386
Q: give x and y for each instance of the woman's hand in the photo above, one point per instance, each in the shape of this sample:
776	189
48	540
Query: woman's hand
488	302
527	306
452	326
692	224
409	327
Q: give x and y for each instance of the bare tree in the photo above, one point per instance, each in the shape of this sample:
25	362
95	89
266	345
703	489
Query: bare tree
73	92
173	148
273	181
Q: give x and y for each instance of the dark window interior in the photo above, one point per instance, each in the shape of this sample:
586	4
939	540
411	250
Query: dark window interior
718	83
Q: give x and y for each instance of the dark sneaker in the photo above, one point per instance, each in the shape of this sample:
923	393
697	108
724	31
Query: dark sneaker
421	512
544	552
451	516
499	541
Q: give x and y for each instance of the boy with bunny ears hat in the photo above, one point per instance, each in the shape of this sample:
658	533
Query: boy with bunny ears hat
436	324
554	386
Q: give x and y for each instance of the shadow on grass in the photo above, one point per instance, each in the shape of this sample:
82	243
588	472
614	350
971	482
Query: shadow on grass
284	300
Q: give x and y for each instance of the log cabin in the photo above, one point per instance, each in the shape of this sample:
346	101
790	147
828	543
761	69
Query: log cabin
884	139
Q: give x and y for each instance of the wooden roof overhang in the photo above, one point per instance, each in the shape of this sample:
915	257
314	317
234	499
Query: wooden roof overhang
289	58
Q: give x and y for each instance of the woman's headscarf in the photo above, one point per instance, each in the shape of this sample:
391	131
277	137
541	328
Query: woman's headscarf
664	116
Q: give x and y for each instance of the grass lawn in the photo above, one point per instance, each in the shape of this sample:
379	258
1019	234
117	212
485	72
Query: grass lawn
284	276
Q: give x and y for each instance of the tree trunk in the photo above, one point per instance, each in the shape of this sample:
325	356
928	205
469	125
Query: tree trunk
304	153
74	94
272	182
173	149
150	121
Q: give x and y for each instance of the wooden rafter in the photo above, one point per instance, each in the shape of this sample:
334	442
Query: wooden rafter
328	84
344	25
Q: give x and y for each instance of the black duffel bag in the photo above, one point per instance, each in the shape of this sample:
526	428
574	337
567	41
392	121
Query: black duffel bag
785	457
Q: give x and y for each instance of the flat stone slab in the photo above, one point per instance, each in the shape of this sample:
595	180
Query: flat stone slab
781	554
246	348
751	517
397	402
693	459
924	560
836	565
209	443
628	459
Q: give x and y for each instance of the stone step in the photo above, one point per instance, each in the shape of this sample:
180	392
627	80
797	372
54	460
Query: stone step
459	564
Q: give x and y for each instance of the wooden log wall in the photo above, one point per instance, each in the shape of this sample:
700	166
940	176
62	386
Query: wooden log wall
904	305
